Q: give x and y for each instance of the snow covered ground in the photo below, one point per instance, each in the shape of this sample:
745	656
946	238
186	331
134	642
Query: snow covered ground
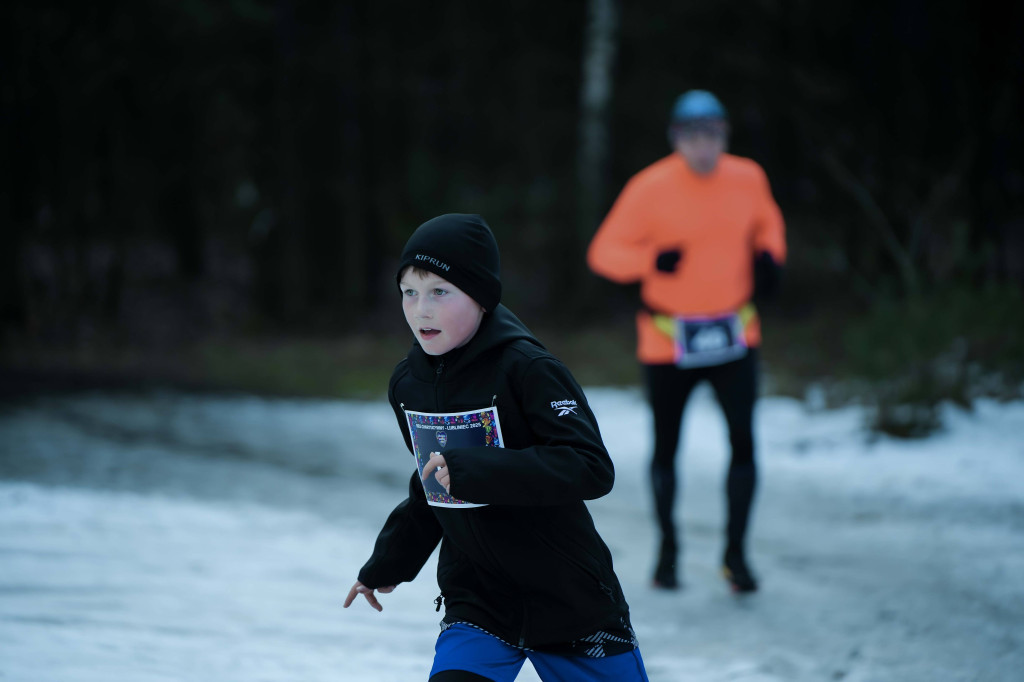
173	537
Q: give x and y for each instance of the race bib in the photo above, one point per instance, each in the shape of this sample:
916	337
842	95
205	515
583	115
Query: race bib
438	432
707	341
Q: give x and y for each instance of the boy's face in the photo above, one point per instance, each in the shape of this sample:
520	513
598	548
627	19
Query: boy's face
441	315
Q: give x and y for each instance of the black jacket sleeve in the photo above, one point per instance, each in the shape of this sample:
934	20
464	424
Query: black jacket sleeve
568	461
404	544
410	534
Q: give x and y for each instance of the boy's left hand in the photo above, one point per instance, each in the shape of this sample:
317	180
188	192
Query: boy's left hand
437	466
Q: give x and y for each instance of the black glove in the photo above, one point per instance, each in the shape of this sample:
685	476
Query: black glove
767	274
667	261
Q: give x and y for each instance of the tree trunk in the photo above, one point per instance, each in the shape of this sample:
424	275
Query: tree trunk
599	51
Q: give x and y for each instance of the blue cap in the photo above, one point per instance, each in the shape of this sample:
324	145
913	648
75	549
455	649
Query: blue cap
697	104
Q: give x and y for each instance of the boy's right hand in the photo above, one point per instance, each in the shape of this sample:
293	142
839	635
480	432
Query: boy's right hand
439	468
367	592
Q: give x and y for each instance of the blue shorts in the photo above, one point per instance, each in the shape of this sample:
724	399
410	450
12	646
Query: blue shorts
464	647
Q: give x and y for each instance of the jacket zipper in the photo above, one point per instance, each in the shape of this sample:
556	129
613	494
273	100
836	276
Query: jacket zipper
437	384
499	569
439	601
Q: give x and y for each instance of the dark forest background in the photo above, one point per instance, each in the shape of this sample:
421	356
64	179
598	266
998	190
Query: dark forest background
190	182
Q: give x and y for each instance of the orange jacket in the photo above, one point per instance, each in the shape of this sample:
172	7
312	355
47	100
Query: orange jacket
718	221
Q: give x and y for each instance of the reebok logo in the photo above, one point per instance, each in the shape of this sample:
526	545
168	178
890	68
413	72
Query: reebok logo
564	407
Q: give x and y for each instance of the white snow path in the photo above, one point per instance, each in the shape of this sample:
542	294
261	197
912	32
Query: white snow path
222	548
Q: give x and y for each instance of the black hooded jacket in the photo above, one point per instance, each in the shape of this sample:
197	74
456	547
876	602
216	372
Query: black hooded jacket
530	567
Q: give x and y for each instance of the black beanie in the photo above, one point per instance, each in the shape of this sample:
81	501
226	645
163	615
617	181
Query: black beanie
459	247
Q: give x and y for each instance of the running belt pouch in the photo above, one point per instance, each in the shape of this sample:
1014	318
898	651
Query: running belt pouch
705	340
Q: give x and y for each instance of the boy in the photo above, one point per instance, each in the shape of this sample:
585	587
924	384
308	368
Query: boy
507	450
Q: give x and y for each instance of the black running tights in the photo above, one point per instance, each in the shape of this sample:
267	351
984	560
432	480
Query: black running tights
735	387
